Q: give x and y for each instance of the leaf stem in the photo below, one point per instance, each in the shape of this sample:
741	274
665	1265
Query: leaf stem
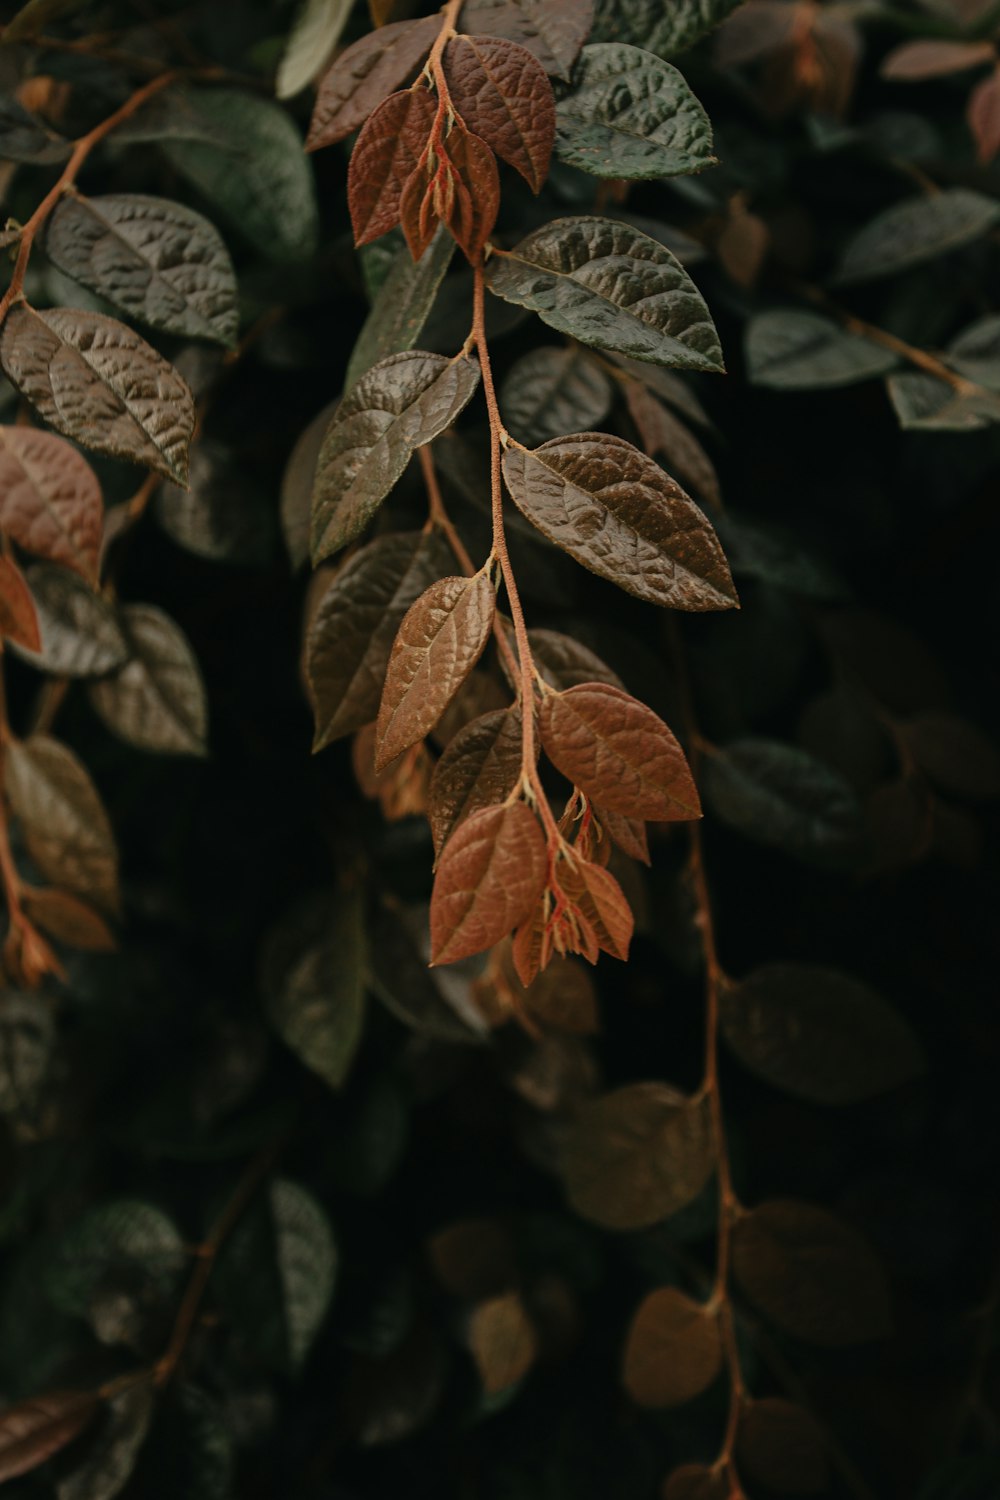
929	363
12	885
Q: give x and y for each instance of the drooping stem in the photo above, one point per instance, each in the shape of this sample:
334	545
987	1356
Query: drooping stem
920	358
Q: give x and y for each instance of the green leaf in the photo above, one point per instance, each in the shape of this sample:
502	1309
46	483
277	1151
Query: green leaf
95	380
756	549
778	795
81	636
638	1155
222	515
621	516
159	262
629	115
156	701
278	1272
925	404
609	285
65	825
975	352
818	1034
918	230
126	1247
401	305
315	33
318	1008
354	625
803	351
552	391
27	1034
666	29
402	402
260	180
112	1455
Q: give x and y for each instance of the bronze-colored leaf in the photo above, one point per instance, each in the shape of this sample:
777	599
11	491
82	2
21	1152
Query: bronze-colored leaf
698	1482
663	436
18	616
80	632
156	700
933	59
69	920
441	638
364	74
503	96
565	663
399	404
780	1445
489	877
600	901
618	751
628	833
811	1274
503	1342
50	499
638	1155
95	380
384	156
674	1349
65	825
480	767
553	30
621	516
474	1259
34	1430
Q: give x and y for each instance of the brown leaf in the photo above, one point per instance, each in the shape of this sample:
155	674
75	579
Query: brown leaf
554	30
663	435
66	827
384	156
503	1342
364	74
502	94
618	752
628	833
50	499
490	874
600	901
350	634
480	767
156	700
95	380
811	1274
473	1259
457	186
618	514
638	1155
33	1430
698	1482
564	662
564	999
441	638
18	616
983	115
933	59
956	755
779	1444
69	920
674	1349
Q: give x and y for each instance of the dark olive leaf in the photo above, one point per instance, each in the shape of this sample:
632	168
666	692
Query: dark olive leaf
297	486
553	30
975	352
666	30
811	1274
112	1454
317	30
781	1446
222	515
755	549
189	1450
617	513
552	391
158	261
480	767
673	1351
401	305
351	632
34	1430
564	662
95	380
503	1341
24	138
50	499
956	755
81	636
259	179
125	1243
779	795
924	403
278	1272
502	94
156	700
638	1155
915	231
802	351
417	996
629	115
365	74
27	1034
401	403
609	285
318	1009
66	827
818	1034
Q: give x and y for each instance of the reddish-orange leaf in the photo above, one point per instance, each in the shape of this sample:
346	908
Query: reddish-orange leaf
480	767
364	74
531	946
473	211
502	94
18	616
33	1430
600	902
491	873
983	115
933	59
69	920
441	638
384	156
628	833
427	187
663	435
50	500
619	752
